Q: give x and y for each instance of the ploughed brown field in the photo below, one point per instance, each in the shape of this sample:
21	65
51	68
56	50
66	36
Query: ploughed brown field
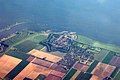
7	63
102	70
32	71
94	77
47	56
80	67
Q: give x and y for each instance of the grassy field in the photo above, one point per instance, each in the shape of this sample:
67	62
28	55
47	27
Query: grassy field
101	55
24	41
18	37
94	43
92	66
70	74
117	77
17	54
26	46
38	38
115	72
108	57
31	43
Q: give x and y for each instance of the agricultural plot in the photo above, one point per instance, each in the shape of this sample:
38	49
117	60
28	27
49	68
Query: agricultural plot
83	76
115	61
17	38
108	57
30	43
32	71
94	77
26	46
95	43
100	56
18	55
7	63
92	66
102	70
75	75
70	74
117	77
114	73
80	67
39	38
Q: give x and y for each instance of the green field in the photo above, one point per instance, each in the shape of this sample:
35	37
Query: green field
26	46
117	77
92	66
18	37
70	74
101	55
17	54
24	41
114	73
94	43
31	43
108	57
38	38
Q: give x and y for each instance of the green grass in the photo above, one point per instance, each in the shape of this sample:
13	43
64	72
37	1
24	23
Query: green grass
32	42
92	66
101	55
18	37
95	43
84	76
26	46
108	58
110	47
17	54
20	40
85	40
70	74
117	77
114	72
38	38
